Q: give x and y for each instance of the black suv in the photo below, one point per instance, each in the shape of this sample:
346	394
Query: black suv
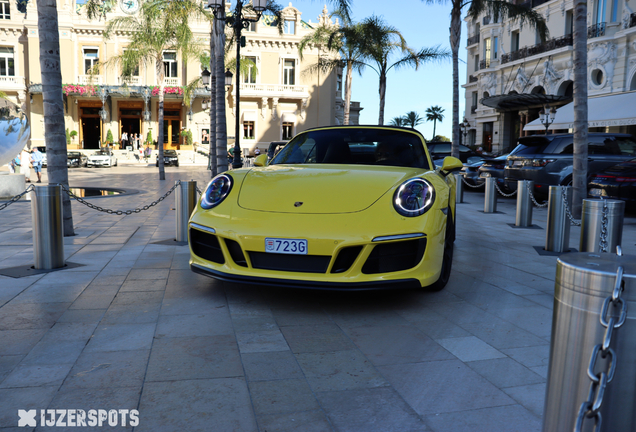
439	150
548	159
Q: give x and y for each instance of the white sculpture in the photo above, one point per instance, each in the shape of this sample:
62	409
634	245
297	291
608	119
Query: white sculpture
14	131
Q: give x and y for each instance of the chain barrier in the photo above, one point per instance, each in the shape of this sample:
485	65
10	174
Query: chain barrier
199	190
503	193
567	209
121	212
534	201
603	242
590	409
17	197
469	185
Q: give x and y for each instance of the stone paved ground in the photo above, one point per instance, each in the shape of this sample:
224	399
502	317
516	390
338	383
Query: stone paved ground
134	328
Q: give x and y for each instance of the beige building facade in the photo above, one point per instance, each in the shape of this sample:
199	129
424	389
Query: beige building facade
512	76
278	97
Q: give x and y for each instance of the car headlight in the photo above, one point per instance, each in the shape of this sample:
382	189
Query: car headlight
217	190
414	197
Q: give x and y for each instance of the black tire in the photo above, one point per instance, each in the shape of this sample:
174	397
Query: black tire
447	262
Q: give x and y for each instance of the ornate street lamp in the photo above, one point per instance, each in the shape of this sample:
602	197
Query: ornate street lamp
103	95
547	118
465	127
205	77
145	93
238	22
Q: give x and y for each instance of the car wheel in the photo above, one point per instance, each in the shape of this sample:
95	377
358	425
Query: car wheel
447	261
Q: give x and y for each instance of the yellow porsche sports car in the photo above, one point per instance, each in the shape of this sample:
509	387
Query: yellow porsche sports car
342	207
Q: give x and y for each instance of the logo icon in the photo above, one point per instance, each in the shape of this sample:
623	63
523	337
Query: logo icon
298	203
27	418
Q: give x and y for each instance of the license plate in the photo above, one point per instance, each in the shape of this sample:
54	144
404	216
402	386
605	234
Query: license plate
517	163
286	246
596	192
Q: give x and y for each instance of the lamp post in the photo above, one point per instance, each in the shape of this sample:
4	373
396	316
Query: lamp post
465	126
547	117
238	22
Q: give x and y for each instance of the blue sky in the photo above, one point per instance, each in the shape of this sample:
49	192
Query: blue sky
422	25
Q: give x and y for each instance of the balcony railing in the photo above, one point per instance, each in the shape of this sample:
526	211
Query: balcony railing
483	64
273	90
550	45
596	30
632	20
472	79
11	82
89	79
473	40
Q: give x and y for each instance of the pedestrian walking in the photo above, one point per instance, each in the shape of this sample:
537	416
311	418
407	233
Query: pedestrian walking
25	164
147	152
36	161
124	140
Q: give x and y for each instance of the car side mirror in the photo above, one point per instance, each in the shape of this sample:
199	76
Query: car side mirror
451	164
260	160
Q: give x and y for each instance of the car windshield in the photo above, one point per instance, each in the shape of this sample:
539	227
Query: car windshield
74	154
100	153
365	146
169	153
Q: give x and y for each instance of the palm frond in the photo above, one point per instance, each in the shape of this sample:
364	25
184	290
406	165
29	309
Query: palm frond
502	10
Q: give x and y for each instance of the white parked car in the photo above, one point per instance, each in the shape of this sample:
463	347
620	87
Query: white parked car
101	158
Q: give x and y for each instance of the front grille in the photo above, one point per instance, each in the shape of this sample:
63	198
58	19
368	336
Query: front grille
236	252
290	263
206	246
395	256
345	259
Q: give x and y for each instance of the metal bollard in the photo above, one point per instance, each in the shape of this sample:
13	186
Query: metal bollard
48	227
592	225
459	189
584	283
524	203
185	201
490	197
557	235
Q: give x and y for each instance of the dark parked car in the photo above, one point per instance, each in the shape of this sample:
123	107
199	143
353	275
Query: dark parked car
274	148
439	150
495	168
76	159
470	171
616	182
170	157
548	159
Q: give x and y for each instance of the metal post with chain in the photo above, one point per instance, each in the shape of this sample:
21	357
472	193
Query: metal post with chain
469	185
603	243
502	193
590	409
567	209
534	201
17	197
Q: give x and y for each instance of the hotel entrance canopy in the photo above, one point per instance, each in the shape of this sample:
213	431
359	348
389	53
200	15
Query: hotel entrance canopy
613	110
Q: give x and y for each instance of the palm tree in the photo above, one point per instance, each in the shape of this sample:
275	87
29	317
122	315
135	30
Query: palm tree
381	41
54	133
159	26
347	42
579	169
413	119
434	114
398	121
499	10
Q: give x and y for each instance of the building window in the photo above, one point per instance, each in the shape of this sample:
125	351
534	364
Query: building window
288	130
473	106
289	72
91	60
614	10
476	62
487	51
170	64
514	41
289	27
7	66
251	27
494	47
600	11
5	10
135	69
250	76
248	129
569	23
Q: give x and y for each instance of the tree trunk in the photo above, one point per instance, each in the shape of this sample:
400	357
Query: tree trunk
221	122
455	35
53	102
212	162
382	94
579	169
347	101
434	127
161	77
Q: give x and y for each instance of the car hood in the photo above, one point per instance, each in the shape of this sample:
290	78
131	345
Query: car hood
322	189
